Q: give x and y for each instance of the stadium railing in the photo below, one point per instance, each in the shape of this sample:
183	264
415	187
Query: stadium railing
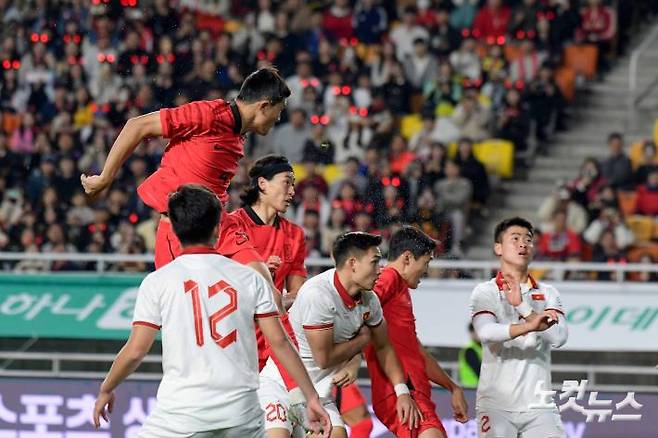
480	269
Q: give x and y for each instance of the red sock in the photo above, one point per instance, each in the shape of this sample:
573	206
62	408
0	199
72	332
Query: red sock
361	429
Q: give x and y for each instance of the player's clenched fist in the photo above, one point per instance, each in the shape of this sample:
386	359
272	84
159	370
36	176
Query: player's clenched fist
93	184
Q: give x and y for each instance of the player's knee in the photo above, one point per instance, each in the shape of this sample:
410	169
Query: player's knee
277	433
361	429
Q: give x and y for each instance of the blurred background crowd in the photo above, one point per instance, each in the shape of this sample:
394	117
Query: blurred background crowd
390	102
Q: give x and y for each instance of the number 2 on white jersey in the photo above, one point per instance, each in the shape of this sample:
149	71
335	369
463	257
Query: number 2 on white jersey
192	288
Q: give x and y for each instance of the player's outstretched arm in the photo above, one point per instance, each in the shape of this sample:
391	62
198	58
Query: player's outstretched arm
437	375
327	354
287	355
131	355
407	410
134	131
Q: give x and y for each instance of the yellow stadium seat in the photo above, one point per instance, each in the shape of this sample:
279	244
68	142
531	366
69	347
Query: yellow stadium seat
410	124
636	153
655	230
496	155
444	109
330	172
655	132
642	227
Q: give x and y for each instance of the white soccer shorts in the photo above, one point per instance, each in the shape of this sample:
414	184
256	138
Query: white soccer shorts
540	423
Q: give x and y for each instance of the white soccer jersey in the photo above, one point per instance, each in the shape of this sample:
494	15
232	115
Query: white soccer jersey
511	369
205	305
323	303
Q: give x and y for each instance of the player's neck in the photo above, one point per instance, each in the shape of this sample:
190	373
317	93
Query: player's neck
350	286
266	213
246	115
520	273
398	266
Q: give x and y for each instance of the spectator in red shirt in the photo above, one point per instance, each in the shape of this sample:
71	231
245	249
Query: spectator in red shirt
400	156
491	21
647	196
337	20
559	244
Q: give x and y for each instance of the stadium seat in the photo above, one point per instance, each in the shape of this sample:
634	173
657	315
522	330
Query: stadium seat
582	59
496	155
655	132
635	153
565	78
410	124
330	172
642	227
512	51
627	201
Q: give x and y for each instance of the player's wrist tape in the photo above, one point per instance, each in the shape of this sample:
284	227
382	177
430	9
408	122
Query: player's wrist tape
401	389
524	309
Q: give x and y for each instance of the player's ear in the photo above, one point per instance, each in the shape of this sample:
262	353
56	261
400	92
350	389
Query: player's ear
498	249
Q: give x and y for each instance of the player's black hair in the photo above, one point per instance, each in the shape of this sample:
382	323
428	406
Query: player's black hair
354	243
265	167
410	239
194	212
264	84
512	222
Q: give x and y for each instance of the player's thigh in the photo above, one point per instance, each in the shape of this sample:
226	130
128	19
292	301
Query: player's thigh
542	424
253	429
274	401
432	433
496	424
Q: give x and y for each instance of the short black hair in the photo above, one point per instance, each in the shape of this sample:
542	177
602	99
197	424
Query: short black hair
511	222
194	211
410	239
615	136
250	193
353	243
264	84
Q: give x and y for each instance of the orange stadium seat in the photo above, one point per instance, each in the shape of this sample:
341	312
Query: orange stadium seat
565	78
627	202
582	58
512	51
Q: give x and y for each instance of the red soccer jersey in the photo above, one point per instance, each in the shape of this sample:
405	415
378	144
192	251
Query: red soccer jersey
283	239
204	148
395	299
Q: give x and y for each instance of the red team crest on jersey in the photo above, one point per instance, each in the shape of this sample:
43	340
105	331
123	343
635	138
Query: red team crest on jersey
241	237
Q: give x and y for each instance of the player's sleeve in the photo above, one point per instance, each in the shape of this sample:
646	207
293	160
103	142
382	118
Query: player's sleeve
482	302
187	120
485	321
557	334
265	306
316	312
298	263
234	242
376	313
147	306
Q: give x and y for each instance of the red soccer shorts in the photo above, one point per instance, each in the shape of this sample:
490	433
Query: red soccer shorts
387	413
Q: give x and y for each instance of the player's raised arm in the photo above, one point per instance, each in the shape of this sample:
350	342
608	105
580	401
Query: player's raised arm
283	349
129	358
134	131
407	410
